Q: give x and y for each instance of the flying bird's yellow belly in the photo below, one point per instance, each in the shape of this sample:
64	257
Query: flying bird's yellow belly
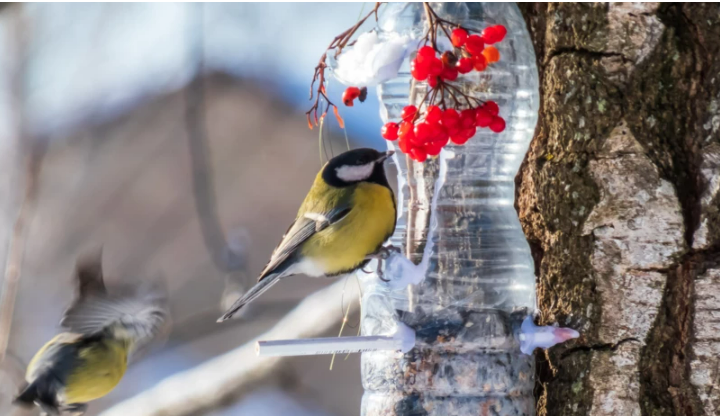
102	367
343	246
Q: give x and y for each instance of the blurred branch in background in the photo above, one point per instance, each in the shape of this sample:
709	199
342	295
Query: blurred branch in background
226	378
20	160
19	147
227	257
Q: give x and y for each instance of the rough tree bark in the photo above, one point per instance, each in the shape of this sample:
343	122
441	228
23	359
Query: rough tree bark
619	198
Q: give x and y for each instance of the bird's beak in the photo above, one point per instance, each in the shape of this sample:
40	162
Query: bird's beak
385	155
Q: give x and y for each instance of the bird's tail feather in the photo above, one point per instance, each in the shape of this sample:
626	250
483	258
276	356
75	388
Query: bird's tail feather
257	290
39	392
27	396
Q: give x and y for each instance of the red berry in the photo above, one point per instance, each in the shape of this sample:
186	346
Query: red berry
408	113
450	118
405	128
434	114
436	132
436	67
479	63
463	136
501	32
418	154
494	34
425	54
449	73
453	131
469	133
474	45
350	94
464	65
491	54
467	118
418	71
423	132
403	144
483	117
489	34
491	107
390	131
458	37
433	149
433	81
412	139
443	140
497	125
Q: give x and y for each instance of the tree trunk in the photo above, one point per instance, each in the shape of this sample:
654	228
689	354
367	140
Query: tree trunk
618	196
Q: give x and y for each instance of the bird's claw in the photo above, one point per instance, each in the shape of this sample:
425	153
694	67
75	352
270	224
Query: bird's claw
386	251
382	254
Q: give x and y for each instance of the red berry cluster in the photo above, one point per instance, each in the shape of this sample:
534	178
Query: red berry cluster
471	54
423	135
427	137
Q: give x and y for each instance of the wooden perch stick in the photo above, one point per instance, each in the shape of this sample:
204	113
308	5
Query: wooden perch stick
226	378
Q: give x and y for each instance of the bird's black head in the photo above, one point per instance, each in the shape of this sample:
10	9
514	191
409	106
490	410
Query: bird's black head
355	166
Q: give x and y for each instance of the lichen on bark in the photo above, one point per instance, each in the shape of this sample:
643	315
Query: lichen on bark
619	198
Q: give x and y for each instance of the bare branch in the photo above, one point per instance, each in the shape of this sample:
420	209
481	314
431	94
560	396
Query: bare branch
222	254
31	152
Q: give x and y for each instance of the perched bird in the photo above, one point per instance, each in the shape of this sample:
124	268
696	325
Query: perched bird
105	331
342	224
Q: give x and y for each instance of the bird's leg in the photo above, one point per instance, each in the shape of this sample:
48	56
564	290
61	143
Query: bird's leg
365	271
386	251
381	255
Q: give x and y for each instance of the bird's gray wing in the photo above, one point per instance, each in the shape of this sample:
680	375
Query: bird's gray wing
302	229
140	311
282	258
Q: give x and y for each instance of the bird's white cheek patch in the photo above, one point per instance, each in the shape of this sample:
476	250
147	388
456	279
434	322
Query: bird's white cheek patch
349	173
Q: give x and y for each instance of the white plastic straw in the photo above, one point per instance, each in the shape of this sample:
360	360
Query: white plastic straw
403	340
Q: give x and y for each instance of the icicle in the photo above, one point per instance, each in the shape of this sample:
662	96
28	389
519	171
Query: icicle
398	269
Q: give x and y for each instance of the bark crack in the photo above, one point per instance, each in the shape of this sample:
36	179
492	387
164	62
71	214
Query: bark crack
597	347
585	53
665	363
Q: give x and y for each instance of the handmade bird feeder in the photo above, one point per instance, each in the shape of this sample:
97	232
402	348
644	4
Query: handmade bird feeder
458	86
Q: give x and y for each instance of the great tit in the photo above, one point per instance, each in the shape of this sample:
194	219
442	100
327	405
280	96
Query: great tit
104	331
346	217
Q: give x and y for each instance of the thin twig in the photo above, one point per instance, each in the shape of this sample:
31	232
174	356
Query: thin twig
16	248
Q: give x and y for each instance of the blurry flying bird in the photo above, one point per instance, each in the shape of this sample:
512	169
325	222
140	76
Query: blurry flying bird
342	224
105	330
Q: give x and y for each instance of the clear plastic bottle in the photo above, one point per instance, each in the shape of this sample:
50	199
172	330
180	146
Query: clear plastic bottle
480	283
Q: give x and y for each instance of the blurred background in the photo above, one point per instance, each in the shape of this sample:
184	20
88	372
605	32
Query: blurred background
173	135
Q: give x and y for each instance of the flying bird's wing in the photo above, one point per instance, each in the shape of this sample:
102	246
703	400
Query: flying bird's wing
138	312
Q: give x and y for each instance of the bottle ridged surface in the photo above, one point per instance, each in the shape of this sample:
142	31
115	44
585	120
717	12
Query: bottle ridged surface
480	282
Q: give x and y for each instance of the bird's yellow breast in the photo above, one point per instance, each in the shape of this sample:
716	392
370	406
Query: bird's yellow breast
101	366
343	246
